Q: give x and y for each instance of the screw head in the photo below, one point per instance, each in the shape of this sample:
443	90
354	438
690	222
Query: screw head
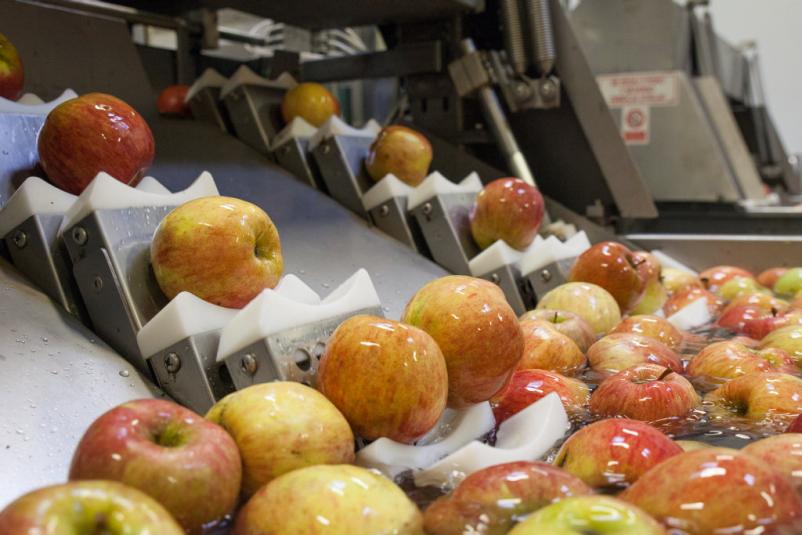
547	88
384	210
20	239
545	275
172	362
326	147
495	278
97	282
249	364
427	208
79	235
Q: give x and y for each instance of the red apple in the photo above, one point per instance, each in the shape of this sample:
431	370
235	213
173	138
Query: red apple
795	426
223	250
282	426
783	453
310	101
611	266
84	507
545	348
329	499
736	319
617	352
789	339
570	324
653	327
388	379
12	75
528	386
592	303
675	280
716	490
761	327
713	278
173	101
400	151
614	452
507	209
769	277
645	392
491	500
476	330
189	465
768	397
721	361
92	133
760	300
685	297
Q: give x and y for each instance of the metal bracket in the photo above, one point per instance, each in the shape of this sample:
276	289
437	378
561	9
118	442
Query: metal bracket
393	219
205	106
254	113
540	281
290	355
339	159
444	223
515	288
292	155
37	252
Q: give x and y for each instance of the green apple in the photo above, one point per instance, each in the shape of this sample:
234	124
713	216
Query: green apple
789	282
87	507
584	515
592	303
738	286
329	499
280	427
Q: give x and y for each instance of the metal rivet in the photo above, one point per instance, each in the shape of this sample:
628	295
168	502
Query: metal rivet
98	282
20	239
495	278
326	148
427	208
79	235
249	365
545	275
172	362
384	210
547	89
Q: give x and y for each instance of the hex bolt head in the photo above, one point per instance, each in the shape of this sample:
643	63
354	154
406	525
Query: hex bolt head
20	239
79	235
249	364
172	362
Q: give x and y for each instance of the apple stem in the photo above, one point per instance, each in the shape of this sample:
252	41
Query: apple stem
666	373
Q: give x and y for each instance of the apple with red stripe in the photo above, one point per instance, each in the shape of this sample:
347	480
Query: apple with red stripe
12	74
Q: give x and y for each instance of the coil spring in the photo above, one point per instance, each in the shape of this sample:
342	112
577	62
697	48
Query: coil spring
514	34
542	42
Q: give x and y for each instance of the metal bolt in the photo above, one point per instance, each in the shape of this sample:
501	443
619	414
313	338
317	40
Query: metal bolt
172	362
79	235
249	365
495	278
98	283
545	275
521	90
20	239
384	210
427	208
326	148
547	88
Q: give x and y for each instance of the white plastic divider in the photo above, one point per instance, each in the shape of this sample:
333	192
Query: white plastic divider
337	127
454	430
288	306
209	78
245	76
298	129
436	184
31	104
670	262
34	196
151	185
107	193
384	190
526	436
692	315
553	250
497	255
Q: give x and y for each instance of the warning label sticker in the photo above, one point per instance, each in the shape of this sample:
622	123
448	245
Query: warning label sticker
640	89
635	125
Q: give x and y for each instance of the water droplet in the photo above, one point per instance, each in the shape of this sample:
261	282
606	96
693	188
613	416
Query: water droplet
54	372
20	431
44	339
124	373
325	285
301	272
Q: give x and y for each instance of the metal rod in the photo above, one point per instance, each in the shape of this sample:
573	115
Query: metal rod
131	15
542	49
513	34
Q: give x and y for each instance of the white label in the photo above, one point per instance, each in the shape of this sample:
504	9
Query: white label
635	125
640	88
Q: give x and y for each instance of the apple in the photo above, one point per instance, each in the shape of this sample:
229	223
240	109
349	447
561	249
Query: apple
401	151
491	500
783	453
12	75
789	339
173	101
92	133
570	324
654	327
81	507
768	278
716	276
617	352
528	386
790	283
719	362
611	266
507	209
476	330
282	426
592	303
645	392
589	515
546	348
675	280
189	465
716	490
738	286
310	101
761	327
691	445
768	397
329	499
763	301
223	250
388	379
795	426
614	452
654	294
737	318
685	297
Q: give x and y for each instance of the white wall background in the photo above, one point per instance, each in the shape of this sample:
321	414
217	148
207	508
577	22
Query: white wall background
776	26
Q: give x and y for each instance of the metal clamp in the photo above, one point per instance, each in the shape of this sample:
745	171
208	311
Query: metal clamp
292	155
254	112
540	281
205	106
392	218
517	290
339	159
445	225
